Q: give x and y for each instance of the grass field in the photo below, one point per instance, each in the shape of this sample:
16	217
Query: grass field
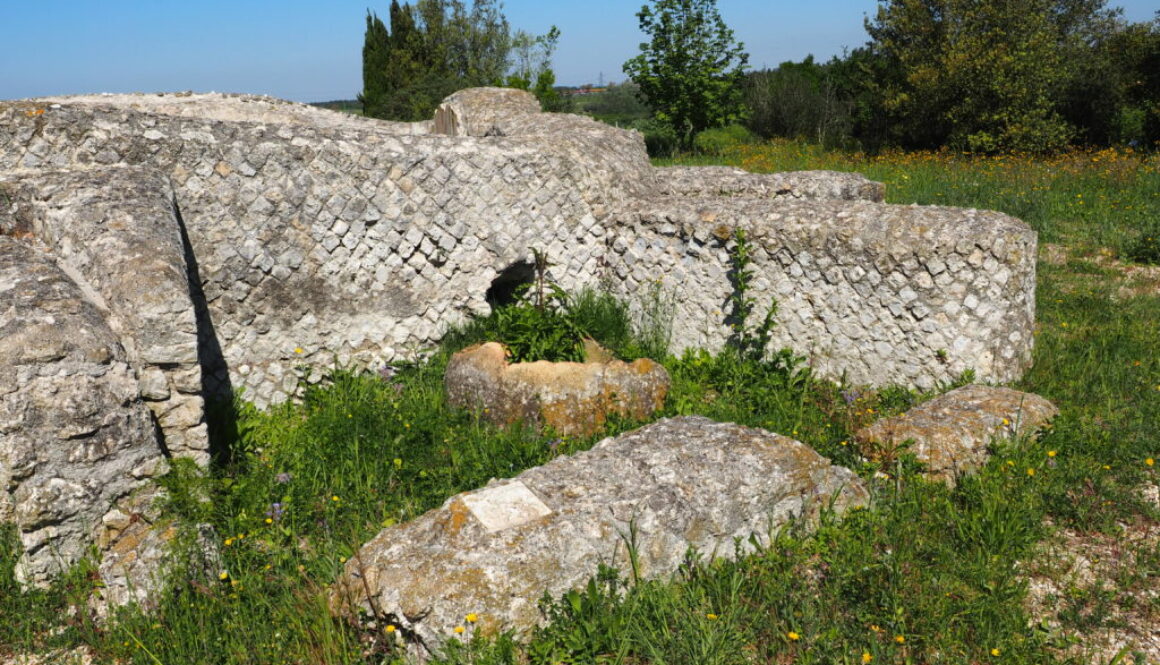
926	575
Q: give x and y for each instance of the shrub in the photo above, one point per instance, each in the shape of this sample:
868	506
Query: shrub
719	139
659	139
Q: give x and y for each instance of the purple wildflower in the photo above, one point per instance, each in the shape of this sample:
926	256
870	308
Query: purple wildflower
276	511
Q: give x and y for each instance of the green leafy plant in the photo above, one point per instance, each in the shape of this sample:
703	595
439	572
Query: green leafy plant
1145	246
717	140
750	342
690	71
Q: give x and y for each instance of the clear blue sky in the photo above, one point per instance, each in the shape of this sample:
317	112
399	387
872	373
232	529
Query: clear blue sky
310	50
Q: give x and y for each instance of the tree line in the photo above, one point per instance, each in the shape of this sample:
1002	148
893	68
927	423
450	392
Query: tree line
975	75
435	47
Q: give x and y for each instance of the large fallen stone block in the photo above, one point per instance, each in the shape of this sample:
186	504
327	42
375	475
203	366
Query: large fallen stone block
75	438
574	399
115	232
951	433
678	484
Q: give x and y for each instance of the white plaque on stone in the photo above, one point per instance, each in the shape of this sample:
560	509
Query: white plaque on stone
505	506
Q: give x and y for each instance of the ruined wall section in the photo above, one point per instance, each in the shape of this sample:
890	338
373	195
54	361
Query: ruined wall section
115	232
869	293
728	181
323	245
349	243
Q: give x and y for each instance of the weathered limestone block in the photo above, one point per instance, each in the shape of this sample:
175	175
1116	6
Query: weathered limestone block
616	159
718	181
114	230
74	436
951	433
484	112
140	544
674	485
574	399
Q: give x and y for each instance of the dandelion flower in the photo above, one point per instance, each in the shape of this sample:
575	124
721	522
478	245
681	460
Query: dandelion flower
711	617
1149	461
900	639
793	637
223	576
459	630
298	349
995	651
390	628
866	657
1030	472
1051	453
471	618
335	498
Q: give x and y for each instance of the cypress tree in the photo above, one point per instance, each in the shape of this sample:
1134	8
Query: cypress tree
376	61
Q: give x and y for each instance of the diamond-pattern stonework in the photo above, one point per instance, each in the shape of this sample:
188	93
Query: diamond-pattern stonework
359	241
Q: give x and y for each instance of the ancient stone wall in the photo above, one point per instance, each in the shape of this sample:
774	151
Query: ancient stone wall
157	250
344	239
868	292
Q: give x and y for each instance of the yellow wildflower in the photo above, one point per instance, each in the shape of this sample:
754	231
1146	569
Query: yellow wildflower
793	637
995	651
866	657
900	639
711	617
472	618
459	630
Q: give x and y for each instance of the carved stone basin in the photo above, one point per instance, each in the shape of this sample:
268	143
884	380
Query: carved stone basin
572	398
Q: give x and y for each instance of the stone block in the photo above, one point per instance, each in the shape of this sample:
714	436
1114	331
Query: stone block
678	484
574	399
951	433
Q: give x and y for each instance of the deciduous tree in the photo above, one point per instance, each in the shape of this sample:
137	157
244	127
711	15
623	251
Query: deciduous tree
982	75
690	71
